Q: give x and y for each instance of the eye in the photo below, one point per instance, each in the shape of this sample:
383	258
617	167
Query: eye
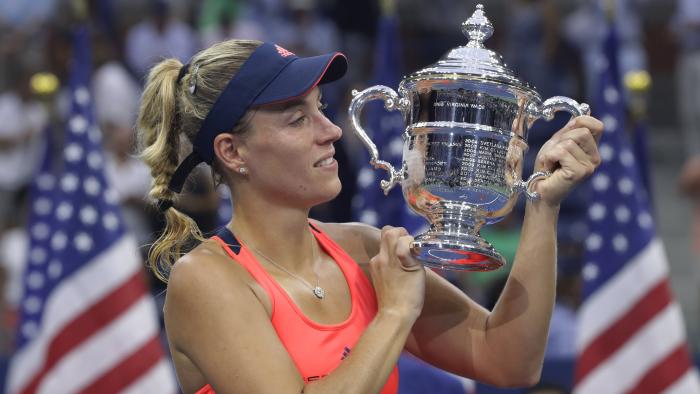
298	121
322	106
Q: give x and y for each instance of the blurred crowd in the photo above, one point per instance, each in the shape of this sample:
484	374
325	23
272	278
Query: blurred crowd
551	44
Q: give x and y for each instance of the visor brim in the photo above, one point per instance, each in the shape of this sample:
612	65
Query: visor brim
302	75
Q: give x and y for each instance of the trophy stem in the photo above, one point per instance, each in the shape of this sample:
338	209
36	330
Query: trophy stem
453	242
455	224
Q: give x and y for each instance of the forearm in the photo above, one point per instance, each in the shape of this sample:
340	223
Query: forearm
518	325
373	358
11	142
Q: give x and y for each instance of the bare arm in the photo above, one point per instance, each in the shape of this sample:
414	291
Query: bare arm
239	351
11	142
372	359
506	346
218	323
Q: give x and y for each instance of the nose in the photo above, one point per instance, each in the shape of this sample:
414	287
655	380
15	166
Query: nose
330	131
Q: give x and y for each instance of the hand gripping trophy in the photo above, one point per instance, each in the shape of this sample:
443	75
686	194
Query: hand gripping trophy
467	120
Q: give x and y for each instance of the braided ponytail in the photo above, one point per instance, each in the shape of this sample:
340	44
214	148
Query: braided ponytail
157	124
170	112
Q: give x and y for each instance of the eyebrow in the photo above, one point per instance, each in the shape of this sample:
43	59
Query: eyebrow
290	104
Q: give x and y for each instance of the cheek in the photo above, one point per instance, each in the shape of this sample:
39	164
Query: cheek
291	175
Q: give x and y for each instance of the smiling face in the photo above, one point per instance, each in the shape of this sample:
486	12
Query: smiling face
289	151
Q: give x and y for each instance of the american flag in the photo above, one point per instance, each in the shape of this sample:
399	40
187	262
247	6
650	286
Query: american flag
370	205
631	333
87	321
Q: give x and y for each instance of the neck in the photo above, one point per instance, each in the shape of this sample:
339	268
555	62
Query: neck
281	233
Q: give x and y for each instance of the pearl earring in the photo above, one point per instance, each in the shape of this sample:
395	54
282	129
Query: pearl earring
242	171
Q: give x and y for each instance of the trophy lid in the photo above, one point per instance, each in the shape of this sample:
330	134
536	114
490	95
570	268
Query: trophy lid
473	61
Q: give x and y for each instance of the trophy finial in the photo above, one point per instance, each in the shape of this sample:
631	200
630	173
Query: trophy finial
477	28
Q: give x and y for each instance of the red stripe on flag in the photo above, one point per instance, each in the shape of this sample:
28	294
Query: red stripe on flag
129	369
612	339
88	323
664	373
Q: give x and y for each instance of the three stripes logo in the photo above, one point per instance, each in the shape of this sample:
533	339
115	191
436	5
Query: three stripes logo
283	52
346	352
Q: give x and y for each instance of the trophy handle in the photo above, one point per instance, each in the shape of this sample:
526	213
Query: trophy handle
524	186
392	102
558	103
546	111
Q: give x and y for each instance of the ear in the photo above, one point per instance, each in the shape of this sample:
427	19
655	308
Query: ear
230	150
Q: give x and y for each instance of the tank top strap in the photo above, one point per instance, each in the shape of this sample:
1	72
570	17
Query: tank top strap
242	255
354	274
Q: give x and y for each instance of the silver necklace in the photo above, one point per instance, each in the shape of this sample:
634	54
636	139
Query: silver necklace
317	290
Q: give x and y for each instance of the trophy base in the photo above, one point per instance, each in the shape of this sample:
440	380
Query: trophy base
464	253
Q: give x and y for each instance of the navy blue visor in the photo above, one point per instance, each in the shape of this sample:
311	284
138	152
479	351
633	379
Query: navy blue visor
271	75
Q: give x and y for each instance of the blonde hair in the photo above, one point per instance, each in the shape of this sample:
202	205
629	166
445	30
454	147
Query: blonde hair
169	118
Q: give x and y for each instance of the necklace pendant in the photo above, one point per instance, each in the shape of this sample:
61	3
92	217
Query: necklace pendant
319	292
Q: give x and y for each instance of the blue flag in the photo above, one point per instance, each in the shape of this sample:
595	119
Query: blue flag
87	321
370	205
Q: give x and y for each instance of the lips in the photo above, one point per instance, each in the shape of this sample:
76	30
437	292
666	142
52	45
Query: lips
327	160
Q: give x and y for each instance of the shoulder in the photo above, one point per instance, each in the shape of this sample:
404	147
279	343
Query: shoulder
200	283
205	263
359	240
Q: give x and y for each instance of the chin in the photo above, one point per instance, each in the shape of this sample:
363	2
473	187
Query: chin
329	193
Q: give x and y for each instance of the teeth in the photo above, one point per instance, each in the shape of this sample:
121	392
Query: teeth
325	162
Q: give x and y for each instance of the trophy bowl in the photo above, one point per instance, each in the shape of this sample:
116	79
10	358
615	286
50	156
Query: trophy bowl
467	120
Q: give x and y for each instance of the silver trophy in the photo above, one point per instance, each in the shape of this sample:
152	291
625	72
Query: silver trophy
467	120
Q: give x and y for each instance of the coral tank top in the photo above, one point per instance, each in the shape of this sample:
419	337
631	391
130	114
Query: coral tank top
317	349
